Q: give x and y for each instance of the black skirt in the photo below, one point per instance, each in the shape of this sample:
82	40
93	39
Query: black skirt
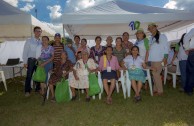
109	75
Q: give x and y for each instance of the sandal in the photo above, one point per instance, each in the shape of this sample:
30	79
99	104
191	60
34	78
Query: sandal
109	101
53	99
137	99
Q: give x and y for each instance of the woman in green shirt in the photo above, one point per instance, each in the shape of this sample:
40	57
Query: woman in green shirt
119	52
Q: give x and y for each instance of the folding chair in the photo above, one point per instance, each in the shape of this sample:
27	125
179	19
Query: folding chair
177	73
121	79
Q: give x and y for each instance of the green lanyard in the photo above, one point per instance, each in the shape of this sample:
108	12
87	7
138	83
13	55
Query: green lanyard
86	66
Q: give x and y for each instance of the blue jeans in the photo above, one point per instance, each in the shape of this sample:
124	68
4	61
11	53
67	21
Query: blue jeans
30	70
182	66
190	73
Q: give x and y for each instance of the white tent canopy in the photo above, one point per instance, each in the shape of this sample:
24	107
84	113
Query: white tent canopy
113	17
18	25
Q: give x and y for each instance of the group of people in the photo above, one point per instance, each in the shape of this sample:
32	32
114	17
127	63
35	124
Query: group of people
75	60
182	57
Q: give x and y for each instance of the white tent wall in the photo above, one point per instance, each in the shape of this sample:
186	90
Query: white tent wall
173	35
15	19
9	50
15	32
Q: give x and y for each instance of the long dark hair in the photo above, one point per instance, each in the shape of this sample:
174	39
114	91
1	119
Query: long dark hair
46	37
98	37
157	36
181	40
84	40
120	39
107	48
136	48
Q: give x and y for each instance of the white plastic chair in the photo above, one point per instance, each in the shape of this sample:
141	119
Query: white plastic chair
177	73
2	77
100	84
122	79
148	78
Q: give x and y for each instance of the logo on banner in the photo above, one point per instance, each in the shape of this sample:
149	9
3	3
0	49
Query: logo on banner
134	25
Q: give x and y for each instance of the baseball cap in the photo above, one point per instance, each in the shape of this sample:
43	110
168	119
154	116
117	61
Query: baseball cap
58	34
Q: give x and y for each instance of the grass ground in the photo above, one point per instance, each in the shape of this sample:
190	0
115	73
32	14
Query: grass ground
171	109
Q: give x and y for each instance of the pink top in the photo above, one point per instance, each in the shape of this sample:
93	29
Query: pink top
113	63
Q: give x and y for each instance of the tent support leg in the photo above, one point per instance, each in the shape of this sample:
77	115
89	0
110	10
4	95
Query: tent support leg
63	31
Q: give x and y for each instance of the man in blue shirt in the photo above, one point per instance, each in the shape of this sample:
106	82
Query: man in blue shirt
29	58
70	51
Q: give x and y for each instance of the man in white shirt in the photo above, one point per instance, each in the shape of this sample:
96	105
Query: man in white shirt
29	57
189	47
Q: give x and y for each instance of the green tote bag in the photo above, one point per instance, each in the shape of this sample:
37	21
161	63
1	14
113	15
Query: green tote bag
94	87
62	91
39	75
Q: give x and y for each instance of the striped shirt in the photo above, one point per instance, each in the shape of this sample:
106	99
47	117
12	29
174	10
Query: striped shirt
57	52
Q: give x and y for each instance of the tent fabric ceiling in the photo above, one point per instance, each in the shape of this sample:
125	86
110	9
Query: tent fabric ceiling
113	18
